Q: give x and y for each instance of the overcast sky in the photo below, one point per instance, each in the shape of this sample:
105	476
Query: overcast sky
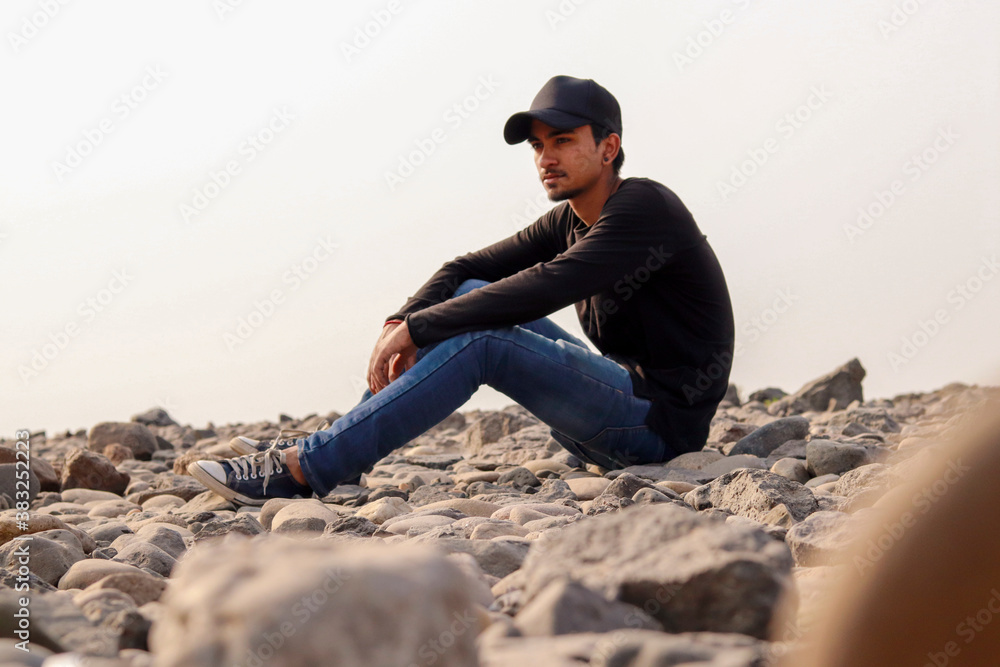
213	206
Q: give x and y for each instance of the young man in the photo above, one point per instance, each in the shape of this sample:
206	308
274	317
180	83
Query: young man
647	287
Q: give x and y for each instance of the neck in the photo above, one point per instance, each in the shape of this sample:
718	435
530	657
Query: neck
588	205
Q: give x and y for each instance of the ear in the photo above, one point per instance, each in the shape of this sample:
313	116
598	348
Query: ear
612	143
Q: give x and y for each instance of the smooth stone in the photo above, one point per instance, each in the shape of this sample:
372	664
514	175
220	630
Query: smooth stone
490	529
85	572
418	524
145	555
383	509
793	469
111	508
306	516
588	488
567	607
468	506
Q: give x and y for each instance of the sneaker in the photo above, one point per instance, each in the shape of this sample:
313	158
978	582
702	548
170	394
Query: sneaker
243	445
251	479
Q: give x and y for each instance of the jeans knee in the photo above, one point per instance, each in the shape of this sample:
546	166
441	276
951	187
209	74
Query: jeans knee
468	285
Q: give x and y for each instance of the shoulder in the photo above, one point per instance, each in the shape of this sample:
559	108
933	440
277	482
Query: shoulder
648	193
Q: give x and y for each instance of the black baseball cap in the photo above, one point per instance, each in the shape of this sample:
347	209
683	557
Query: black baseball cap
565	102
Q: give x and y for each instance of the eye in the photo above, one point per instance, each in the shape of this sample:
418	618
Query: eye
562	140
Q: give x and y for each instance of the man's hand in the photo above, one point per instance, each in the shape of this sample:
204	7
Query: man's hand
394	354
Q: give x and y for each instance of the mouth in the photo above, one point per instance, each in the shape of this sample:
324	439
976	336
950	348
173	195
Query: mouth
550	178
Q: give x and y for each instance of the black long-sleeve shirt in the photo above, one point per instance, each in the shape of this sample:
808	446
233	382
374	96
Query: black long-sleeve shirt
648	290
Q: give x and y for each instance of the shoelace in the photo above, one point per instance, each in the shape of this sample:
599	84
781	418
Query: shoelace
266	463
288	434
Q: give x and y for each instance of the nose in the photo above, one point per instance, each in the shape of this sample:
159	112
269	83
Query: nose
546	158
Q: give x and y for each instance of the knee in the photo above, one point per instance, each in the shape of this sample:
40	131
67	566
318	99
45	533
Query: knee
468	285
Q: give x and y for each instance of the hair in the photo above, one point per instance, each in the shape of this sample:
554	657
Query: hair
600	134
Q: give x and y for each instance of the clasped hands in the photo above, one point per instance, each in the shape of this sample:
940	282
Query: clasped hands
394	353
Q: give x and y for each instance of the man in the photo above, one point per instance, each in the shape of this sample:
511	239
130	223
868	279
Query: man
647	287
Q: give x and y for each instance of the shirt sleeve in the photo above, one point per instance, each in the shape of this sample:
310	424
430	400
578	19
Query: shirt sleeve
634	231
533	244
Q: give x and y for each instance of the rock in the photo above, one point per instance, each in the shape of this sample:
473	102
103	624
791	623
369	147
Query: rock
166	502
164	537
821	538
566	607
626	485
207	501
731	463
695	460
493	426
83	496
793	469
57	624
110	531
519	477
497	557
729	430
142	587
11	527
11	655
144	555
864	485
303	515
48	559
85	572
875	419
689	571
117	453
834	391
416	525
767	395
48	479
553	489
88	470
10	476
467	506
230	604
154	417
384	509
490	529
111	508
241	524
752	494
351	525
822	480
136	437
825	457
649	496
588	488
794	449
769	437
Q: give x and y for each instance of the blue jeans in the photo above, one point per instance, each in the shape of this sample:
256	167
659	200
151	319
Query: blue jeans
586	400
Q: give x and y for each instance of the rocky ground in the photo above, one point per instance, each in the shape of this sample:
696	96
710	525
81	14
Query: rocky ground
481	542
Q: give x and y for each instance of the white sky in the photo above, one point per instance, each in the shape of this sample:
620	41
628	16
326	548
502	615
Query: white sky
223	75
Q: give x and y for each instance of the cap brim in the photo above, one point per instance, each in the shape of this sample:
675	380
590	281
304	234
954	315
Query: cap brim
518	127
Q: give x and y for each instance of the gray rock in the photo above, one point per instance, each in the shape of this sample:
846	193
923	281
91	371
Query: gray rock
10	475
141	586
821	538
769	437
724	430
825	457
730	463
554	489
753	494
793	469
875	419
689	571
58	624
767	395
46	558
146	556
626	485
88	470
650	495
603	504
136	437
833	391
519	477
793	449
207	501
154	417
493	426
865	484
243	524
566	607
360	606
159	535
351	525
497	558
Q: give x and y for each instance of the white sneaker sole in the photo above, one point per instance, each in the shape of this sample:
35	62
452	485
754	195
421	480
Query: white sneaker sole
221	489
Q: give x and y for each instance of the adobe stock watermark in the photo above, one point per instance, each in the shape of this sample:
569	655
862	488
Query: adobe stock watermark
293	278
630	283
786	127
928	329
365	34
302	610
218	180
913	169
562	12
432	650
712	30
722	361
121	108
31	25
922	500
225	7
968	629
534	208
454	116
901	14
87	311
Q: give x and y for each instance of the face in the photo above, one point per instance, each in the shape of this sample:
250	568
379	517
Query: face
568	161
